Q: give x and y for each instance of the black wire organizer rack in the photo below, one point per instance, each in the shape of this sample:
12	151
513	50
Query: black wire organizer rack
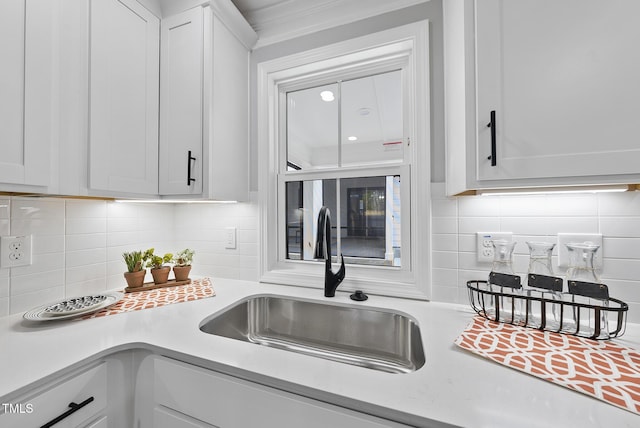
594	316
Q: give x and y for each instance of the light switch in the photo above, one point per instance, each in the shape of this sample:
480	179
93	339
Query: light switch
230	242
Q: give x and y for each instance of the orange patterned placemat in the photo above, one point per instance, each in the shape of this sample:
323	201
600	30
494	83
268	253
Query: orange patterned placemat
198	289
600	369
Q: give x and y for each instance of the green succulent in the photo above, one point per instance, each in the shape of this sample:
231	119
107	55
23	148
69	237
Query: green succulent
134	260
184	257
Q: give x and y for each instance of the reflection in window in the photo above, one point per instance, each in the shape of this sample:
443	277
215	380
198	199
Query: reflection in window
348	123
365	219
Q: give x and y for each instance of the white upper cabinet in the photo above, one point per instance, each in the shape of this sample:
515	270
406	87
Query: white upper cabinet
181	85
124	98
562	80
204	110
26	92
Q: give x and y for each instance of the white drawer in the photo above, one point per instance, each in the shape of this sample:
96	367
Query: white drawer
52	400
228	402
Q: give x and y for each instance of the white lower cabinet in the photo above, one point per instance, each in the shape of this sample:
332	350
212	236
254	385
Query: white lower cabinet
167	418
101	422
85	389
188	396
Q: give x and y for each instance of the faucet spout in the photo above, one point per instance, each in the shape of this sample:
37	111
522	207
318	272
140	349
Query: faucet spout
323	251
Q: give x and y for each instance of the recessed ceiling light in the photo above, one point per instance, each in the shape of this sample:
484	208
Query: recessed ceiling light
352	138
327	96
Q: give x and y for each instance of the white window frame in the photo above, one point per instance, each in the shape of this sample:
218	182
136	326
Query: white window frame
405	47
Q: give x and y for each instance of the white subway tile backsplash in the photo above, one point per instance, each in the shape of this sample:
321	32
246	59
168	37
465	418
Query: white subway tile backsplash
85	257
87	286
4	283
619	204
37	208
41	263
86	273
549	225
78	244
43	244
485	206
25	301
76	226
444	242
21	284
38	226
621	248
4	306
479	224
444	225
445	259
85	241
443	208
541	218
622	227
4	227
5	208
86	209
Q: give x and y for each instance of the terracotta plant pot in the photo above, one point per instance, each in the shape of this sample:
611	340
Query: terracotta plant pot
181	272
135	279
161	274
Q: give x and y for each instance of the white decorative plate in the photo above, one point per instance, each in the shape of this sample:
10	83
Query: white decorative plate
69	308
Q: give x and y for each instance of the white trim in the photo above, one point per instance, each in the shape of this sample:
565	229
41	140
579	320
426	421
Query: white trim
288	20
410	41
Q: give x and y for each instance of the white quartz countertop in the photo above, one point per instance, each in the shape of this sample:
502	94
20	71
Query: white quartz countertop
453	387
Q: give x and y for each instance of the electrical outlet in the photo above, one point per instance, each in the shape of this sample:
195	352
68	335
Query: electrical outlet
566	238
230	241
15	251
484	248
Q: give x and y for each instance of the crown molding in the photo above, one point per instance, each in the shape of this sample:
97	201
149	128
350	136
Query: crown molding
294	18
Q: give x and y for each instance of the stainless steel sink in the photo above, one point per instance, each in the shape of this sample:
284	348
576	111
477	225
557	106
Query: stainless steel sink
368	337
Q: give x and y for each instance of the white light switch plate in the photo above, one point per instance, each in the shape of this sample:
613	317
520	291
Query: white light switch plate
15	251
566	238
484	248
230	238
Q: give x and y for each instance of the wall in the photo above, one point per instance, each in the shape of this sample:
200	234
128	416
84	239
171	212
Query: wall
455	222
78	244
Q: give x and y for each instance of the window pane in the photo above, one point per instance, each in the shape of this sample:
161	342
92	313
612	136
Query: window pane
365	229
312	128
372	125
370	214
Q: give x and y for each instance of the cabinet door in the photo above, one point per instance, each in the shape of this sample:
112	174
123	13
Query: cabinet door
223	401
562	78
124	97
26	90
167	418
46	404
181	74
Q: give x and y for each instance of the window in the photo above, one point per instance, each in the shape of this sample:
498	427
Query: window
346	127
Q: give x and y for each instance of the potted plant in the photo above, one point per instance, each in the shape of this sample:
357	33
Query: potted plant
182	265
135	268
159	270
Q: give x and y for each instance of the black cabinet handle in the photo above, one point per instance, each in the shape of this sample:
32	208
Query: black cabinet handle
492	125
73	408
189	179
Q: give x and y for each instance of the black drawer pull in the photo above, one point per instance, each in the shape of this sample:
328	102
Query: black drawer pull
73	408
189	179
492	125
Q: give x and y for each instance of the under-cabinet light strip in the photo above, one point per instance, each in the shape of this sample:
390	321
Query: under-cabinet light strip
558	190
170	201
